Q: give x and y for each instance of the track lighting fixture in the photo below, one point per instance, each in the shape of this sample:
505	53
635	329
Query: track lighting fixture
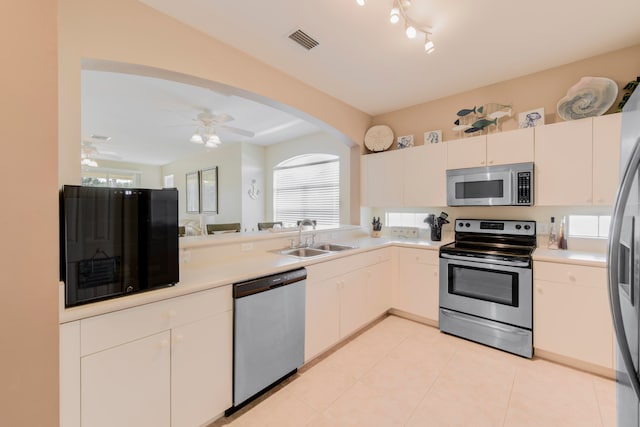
399	10
429	47
394	15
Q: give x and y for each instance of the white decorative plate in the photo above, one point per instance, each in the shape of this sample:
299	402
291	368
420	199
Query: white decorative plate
378	138
590	97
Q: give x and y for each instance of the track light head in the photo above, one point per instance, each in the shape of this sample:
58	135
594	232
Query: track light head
411	31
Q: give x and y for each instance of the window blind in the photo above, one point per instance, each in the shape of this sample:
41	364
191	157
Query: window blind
307	191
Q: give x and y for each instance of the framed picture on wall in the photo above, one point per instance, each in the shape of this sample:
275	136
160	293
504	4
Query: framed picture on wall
193	192
209	190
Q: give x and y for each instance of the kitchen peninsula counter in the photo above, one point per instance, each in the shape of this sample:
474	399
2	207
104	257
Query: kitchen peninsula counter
210	263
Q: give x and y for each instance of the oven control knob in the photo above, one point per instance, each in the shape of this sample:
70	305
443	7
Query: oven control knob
518	226
460	224
527	227
467	225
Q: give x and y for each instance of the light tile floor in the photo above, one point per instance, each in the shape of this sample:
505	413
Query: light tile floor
403	373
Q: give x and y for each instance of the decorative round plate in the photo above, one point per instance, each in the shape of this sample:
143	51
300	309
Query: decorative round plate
590	97
378	138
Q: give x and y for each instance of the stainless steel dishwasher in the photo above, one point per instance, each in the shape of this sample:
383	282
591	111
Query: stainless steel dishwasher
268	340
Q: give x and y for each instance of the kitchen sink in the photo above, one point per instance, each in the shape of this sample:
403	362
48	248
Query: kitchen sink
303	252
316	250
332	247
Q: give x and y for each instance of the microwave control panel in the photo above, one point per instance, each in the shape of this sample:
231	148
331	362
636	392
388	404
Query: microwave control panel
525	193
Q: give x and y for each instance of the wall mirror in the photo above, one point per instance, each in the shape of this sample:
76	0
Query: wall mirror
209	190
193	192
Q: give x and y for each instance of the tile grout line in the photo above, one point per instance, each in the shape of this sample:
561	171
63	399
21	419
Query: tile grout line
513	382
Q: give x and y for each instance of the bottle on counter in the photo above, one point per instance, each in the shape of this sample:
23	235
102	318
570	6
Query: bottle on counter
562	239
553	234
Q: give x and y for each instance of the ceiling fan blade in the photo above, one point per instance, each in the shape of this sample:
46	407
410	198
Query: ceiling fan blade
222	118
242	132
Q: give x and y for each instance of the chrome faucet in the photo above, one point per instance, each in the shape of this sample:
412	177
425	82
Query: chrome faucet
305	222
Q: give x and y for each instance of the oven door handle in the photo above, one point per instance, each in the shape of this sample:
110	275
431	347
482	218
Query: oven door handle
501	328
485	261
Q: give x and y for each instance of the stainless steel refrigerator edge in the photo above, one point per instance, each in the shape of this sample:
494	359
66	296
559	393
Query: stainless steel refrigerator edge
624	268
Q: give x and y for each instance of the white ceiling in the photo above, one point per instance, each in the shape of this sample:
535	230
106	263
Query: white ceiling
362	59
369	63
150	120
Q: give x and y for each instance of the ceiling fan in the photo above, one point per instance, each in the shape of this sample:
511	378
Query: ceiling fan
210	123
90	151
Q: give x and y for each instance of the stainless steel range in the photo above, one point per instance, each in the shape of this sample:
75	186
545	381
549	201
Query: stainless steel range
486	286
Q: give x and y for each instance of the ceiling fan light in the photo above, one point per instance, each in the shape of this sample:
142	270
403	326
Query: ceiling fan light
405	3
411	32
213	141
361	2
196	139
394	15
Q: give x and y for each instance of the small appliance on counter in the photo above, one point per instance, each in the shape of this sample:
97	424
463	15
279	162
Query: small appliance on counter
117	241
435	224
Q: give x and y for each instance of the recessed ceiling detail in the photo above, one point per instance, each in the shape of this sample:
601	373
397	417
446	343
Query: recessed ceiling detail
303	39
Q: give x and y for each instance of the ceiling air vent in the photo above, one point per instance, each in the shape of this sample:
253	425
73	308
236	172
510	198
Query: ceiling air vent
303	39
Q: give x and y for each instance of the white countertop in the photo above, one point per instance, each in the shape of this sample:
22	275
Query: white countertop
571	257
198	276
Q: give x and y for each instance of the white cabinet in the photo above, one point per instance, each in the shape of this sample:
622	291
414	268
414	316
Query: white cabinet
571	313
384	178
467	152
353	302
425	176
563	164
378	290
160	364
606	158
489	150
416	288
128	385
322	314
412	177
201	375
515	146
343	295
577	162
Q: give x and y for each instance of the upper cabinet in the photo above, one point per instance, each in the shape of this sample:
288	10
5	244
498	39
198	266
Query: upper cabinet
424	176
606	158
467	152
384	179
412	177
494	149
577	162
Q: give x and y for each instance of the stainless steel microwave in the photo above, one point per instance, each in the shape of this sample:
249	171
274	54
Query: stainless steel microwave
504	185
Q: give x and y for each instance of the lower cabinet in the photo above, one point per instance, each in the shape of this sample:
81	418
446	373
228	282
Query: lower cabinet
416	290
344	295
128	385
167	363
571	315
201	374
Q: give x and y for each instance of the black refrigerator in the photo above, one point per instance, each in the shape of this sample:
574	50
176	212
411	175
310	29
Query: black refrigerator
624	267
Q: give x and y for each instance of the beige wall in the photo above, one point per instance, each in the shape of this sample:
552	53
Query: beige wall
150	175
29	218
542	89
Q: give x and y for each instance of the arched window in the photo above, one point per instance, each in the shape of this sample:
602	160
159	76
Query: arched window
307	186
